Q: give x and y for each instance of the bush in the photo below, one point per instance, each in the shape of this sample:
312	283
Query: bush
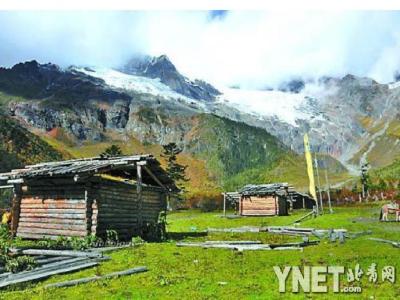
20	263
156	232
111	237
74	243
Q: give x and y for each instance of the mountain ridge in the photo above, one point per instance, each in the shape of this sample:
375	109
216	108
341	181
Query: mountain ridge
343	116
219	148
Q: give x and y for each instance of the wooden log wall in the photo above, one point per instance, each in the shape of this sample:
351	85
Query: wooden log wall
283	206
303	202
259	206
117	208
51	208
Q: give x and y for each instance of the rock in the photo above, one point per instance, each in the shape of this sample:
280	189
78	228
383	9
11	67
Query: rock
39	81
293	86
162	68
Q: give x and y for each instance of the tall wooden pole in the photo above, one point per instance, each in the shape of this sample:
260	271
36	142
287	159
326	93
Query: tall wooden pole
328	191
16	207
139	193
224	204
319	183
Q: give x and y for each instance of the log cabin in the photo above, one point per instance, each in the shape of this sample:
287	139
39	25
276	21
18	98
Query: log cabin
82	197
301	200
264	200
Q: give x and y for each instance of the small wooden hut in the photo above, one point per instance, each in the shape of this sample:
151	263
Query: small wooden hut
301	200
78	198
264	200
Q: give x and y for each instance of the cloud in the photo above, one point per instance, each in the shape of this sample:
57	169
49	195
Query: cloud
246	48
65	38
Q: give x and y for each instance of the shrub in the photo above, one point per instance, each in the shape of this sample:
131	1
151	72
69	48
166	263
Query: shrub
156	232
111	237
20	263
74	243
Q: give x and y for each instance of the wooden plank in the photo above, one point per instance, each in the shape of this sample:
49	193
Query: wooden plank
120	226
115	211
123	204
51	231
258	207
54	215
95	278
119	213
237	229
154	177
111	248
258	213
53	220
114	196
122	231
53	211
37	276
62	205
48	252
115	219
259	210
26	200
47	260
52	226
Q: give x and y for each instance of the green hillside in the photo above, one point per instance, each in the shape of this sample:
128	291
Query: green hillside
18	146
236	153
390	173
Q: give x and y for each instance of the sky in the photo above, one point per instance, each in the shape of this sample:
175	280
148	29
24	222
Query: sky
252	49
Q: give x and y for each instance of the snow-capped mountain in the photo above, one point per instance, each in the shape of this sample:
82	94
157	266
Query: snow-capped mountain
163	69
287	107
351	118
348	117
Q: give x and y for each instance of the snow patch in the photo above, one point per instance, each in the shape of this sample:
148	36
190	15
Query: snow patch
394	85
139	84
284	106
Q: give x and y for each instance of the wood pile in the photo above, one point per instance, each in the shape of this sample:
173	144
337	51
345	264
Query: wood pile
238	229
50	262
305	233
248	245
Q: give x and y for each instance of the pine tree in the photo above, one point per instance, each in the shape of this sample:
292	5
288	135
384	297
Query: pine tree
175	170
113	150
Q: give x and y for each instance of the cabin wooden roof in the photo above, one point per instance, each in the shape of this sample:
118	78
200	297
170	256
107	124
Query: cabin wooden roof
123	166
266	189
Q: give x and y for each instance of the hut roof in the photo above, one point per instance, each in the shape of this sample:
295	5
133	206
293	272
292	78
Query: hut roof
123	166
266	189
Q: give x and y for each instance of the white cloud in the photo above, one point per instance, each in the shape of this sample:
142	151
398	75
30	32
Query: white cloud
252	49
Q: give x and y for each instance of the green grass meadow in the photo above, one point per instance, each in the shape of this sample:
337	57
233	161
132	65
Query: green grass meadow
196	273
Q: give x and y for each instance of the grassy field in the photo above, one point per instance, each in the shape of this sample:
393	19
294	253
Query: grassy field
195	273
